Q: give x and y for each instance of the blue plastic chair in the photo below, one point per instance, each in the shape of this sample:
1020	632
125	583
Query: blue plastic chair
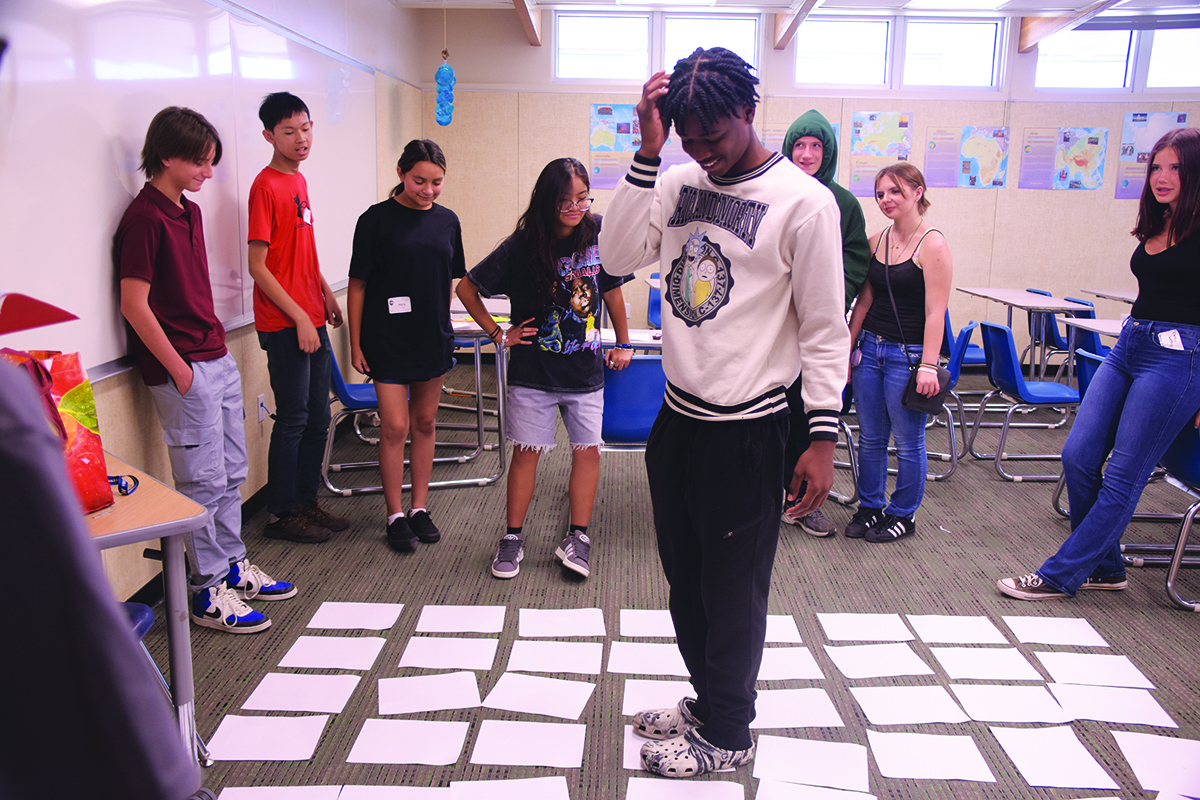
1004	372
654	306
1043	327
632	398
973	356
1088	340
360	398
958	350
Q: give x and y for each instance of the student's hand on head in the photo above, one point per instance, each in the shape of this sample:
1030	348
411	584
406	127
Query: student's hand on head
306	337
523	334
654	133
333	311
618	358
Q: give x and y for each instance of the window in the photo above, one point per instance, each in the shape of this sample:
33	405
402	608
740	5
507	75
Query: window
682	35
1084	60
943	53
1173	58
605	46
842	51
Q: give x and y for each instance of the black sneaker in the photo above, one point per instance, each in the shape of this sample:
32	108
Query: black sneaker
891	528
862	521
400	536
422	527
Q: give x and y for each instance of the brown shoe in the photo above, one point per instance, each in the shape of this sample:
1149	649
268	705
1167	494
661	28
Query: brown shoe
296	527
323	518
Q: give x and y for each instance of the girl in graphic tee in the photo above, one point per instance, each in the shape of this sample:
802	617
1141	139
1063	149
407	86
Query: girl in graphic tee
550	270
406	251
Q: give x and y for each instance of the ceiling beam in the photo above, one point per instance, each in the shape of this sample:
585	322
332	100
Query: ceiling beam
787	23
1035	29
531	20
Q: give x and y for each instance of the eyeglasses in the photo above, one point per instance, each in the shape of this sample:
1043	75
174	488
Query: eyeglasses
568	205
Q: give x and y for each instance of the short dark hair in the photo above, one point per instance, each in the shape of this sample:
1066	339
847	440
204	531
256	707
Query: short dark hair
414	153
1155	217
177	132
713	84
279	106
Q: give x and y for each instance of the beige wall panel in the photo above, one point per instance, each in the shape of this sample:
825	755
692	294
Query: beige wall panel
482	161
1065	241
486	48
554	126
397	122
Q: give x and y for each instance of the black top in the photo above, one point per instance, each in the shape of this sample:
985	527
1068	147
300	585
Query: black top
908	287
1168	283
407	258
565	355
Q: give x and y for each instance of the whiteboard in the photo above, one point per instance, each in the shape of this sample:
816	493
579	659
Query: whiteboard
80	83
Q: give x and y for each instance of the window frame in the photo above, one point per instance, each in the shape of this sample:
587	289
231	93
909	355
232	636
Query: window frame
999	52
666	16
888	56
654	37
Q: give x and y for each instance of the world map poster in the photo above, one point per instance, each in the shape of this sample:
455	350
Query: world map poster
877	138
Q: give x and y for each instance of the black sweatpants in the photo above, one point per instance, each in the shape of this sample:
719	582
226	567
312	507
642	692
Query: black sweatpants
715	487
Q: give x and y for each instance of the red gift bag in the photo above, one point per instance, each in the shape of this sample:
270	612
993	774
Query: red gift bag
70	408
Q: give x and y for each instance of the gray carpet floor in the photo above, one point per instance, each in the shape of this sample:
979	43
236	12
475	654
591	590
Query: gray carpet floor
972	529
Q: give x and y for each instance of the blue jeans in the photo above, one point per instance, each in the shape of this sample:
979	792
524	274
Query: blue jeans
300	382
879	381
1141	398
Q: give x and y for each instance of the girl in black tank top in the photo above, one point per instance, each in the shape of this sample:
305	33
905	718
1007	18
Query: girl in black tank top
914	258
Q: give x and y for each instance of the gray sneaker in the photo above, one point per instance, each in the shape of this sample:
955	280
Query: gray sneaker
814	524
507	561
574	552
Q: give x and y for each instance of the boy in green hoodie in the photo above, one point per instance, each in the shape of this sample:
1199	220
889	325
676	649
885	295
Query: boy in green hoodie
812	146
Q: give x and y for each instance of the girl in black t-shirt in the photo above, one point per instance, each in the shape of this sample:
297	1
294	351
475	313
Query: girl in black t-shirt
550	270
406	251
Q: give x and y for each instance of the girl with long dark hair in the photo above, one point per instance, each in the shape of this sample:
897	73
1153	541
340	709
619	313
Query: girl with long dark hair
1145	392
406	251
550	269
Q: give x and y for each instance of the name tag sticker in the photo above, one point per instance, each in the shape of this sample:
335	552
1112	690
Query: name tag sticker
1170	340
403	305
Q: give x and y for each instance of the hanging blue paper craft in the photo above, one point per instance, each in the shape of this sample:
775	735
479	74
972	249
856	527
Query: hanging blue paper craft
445	80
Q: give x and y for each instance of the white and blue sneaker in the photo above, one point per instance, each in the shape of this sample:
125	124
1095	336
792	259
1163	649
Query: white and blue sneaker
218	607
250	583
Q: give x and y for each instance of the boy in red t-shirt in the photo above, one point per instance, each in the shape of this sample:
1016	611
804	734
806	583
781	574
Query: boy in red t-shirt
292	302
194	381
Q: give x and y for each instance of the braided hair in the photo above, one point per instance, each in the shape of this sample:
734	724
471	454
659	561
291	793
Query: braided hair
713	84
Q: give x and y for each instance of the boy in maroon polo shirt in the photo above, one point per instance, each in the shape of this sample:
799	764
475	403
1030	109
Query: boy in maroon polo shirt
194	381
292	302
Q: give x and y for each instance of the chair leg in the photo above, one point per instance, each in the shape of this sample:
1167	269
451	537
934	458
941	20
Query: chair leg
851	462
1058	496
201	746
1177	559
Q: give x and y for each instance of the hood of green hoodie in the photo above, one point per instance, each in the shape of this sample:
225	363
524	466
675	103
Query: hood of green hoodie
813	123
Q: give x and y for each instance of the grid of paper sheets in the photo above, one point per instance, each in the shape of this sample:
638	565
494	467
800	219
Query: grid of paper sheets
943	670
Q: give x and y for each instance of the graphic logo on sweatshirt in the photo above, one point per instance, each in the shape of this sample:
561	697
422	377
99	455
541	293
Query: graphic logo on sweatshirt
699	281
739	217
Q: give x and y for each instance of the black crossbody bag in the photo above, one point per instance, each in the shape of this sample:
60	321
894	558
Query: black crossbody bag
912	399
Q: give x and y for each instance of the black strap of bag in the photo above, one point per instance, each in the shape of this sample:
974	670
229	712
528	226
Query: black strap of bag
912	399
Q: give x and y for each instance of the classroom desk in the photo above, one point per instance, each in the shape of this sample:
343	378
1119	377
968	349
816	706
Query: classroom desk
1124	296
640	338
1036	304
1104	327
155	511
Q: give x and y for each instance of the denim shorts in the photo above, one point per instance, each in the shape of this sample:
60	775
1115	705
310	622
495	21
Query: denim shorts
530	416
